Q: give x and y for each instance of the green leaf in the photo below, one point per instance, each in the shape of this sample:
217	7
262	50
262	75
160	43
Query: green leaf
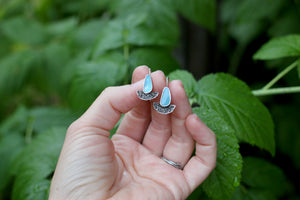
87	33
287	130
157	58
188	81
243	31
285	46
245	193
234	102
259	173
224	179
243	25
45	117
198	194
93	77
202	12
62	27
69	70
110	37
10	146
118	32
23	30
86	7
48	75
4	43
287	23
298	67
261	180
246	32
228	10
114	130
13	128
40	118
146	22
34	167
263	9
14	70
16	122
161	11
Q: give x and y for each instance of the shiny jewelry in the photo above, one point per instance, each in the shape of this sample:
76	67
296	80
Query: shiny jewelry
147	93
170	162
164	106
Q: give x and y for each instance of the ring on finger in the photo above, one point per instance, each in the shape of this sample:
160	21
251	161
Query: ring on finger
170	162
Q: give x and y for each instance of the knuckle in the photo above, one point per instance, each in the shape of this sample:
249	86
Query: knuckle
107	90
73	126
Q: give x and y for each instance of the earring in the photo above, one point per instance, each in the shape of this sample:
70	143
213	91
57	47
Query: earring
146	94
164	106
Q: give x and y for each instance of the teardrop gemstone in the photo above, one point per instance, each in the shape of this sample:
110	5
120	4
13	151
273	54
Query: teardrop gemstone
147	84
165	98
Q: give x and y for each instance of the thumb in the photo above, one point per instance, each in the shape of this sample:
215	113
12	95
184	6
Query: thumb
106	110
87	163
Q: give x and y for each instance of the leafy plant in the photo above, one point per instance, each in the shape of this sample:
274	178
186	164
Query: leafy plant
56	57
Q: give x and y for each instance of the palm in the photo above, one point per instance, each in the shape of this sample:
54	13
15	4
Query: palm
145	175
128	166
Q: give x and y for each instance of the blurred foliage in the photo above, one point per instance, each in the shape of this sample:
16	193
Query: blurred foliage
57	56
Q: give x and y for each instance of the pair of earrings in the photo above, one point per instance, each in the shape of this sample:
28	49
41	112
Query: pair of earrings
164	106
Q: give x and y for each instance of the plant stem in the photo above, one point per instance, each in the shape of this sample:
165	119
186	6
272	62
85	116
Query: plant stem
126	54
280	75
126	51
29	130
236	59
284	90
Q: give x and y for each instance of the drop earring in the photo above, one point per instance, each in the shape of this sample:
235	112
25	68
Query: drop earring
147	93
164	106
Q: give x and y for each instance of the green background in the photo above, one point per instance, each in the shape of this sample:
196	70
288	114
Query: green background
57	56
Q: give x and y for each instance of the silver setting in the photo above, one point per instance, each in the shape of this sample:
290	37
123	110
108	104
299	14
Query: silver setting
170	162
146	97
164	110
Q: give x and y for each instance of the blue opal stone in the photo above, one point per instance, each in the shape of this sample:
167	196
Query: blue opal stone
165	98
147	84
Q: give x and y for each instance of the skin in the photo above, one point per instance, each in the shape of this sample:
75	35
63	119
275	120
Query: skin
128	166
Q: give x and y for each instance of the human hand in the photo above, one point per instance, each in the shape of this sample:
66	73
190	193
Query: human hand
128	166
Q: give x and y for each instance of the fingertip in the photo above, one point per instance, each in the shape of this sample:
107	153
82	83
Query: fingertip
158	74
178	91
142	67
177	82
139	73
180	99
198	129
191	122
159	82
193	118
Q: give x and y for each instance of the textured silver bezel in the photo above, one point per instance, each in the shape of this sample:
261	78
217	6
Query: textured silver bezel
163	110
146	97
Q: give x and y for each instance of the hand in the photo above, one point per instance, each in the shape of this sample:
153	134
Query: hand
128	166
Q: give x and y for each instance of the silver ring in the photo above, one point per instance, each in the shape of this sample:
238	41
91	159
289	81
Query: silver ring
170	162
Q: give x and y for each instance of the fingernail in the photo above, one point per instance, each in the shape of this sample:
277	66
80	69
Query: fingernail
195	117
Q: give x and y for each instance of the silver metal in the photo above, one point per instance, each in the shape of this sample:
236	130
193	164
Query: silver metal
170	162
163	110
147	96
167	81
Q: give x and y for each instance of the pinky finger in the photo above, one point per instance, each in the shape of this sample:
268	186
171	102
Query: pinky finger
199	166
